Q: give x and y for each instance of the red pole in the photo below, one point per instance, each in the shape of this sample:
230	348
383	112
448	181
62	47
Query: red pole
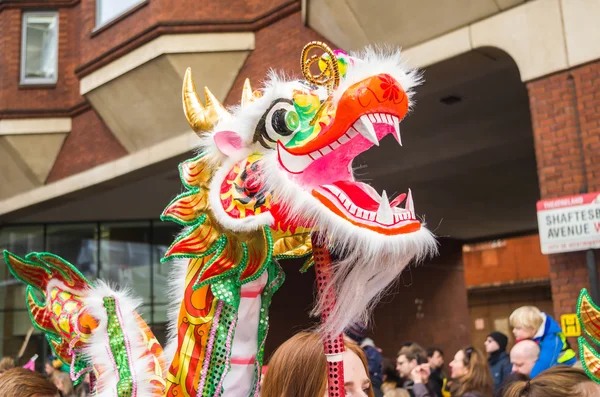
333	345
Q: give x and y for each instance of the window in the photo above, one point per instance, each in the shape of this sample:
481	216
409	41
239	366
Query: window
39	48
125	252
163	234
107	10
14	319
76	243
20	240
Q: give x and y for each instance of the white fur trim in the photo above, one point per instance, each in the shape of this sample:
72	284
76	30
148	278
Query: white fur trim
97	347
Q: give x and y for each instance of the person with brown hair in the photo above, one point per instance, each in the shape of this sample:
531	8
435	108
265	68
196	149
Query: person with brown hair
298	368
63	382
558	381
412	366
7	363
21	382
471	376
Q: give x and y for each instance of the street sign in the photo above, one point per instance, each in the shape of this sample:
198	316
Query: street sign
570	325
569	223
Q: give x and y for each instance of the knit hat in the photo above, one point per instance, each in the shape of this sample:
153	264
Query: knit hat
500	338
357	332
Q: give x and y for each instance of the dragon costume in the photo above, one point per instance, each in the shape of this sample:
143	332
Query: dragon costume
273	180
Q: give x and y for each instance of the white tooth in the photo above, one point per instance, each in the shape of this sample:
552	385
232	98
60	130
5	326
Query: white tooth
315	155
390	119
366	129
410	206
372	118
292	163
378	118
353	209
351	133
371	216
334	145
384	213
325	150
397	129
333	189
345	138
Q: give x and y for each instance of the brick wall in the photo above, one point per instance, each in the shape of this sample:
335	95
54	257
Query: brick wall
90	143
23	100
279	46
156	12
560	104
519	259
152	18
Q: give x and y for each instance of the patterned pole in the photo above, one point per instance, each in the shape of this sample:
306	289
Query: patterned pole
333	344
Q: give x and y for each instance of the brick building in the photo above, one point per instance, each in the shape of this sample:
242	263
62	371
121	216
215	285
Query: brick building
91	131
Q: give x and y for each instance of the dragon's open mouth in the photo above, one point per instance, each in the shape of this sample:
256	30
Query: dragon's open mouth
329	172
358	202
366	112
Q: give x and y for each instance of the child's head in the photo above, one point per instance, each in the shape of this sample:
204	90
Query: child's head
526	321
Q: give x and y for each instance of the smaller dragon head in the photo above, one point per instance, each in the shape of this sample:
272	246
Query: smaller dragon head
283	159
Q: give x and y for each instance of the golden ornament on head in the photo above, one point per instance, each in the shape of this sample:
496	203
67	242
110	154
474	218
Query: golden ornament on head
329	75
201	117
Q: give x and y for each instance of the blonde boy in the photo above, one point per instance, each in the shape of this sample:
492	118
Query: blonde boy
529	322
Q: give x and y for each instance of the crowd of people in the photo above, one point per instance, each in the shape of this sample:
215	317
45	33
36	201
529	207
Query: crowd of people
539	364
536	366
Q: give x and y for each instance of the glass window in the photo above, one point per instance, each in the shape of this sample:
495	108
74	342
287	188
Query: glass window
163	235
19	240
125	255
76	243
39	49
14	320
107	10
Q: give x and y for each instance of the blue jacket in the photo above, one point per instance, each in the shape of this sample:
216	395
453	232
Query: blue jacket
554	348
501	367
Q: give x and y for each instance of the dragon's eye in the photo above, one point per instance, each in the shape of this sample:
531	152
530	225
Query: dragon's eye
279	123
282	120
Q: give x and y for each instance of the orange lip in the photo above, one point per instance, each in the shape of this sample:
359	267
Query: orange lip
380	93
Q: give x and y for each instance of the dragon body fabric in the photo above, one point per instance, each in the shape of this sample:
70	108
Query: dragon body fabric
269	173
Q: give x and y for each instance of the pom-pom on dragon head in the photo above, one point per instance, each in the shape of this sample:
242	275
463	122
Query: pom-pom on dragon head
283	159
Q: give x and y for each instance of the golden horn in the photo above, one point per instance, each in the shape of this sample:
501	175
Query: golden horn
201	118
248	95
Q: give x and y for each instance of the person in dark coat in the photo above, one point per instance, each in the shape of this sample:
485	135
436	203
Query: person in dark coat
435	358
358	333
498	359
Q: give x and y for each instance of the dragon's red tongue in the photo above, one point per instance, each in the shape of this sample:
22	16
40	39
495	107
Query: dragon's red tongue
358	194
